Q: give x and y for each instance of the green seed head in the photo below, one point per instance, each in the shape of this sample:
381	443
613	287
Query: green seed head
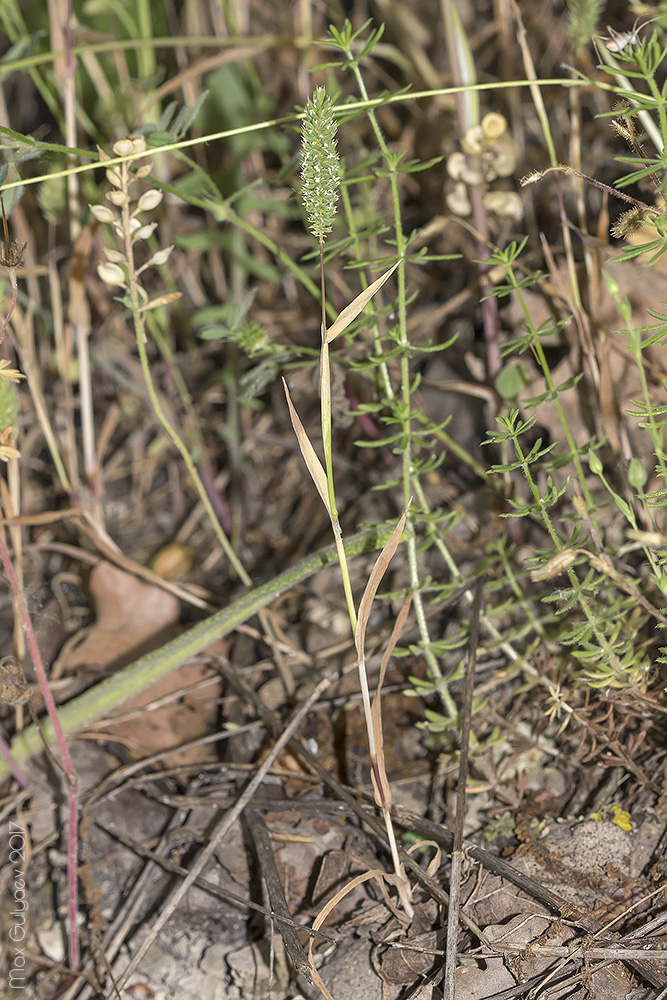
319	165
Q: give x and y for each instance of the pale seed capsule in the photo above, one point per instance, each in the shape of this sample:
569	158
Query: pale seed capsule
145	232
472	177
111	274
557	564
118	198
149	200
103	214
122	147
505	203
162	256
493	125
651	539
113	176
504	158
457	200
456	165
473	141
173	560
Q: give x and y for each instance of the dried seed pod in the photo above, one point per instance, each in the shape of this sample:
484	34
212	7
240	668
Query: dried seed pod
456	165
114	255
122	147
149	200
630	222
103	213
651	539
111	274
504	157
457	200
118	198
161	257
493	126
161	300
145	232
603	564
505	203
114	177
473	141
554	566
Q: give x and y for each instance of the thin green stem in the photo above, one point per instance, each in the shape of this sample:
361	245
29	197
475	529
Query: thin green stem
140	334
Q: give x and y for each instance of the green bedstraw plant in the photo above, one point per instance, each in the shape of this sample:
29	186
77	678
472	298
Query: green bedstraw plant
603	614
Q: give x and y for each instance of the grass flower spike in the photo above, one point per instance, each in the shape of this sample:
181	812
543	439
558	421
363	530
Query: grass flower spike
319	169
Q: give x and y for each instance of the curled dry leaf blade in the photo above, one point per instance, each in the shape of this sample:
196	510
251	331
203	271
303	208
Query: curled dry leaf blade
373	873
310	457
376	709
434	863
365	605
374	579
350	313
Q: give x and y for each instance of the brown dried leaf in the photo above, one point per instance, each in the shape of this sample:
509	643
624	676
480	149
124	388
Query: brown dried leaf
129	614
374	579
310	457
350	312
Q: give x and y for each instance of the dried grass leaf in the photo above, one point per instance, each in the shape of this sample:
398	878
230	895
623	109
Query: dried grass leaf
310	457
351	311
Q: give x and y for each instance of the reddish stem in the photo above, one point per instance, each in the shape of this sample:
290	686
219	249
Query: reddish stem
72	783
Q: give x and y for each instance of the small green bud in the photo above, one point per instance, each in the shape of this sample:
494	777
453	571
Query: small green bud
612	285
319	164
251	338
595	464
637	474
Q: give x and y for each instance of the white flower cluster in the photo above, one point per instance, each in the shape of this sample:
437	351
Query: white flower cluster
487	152
124	216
